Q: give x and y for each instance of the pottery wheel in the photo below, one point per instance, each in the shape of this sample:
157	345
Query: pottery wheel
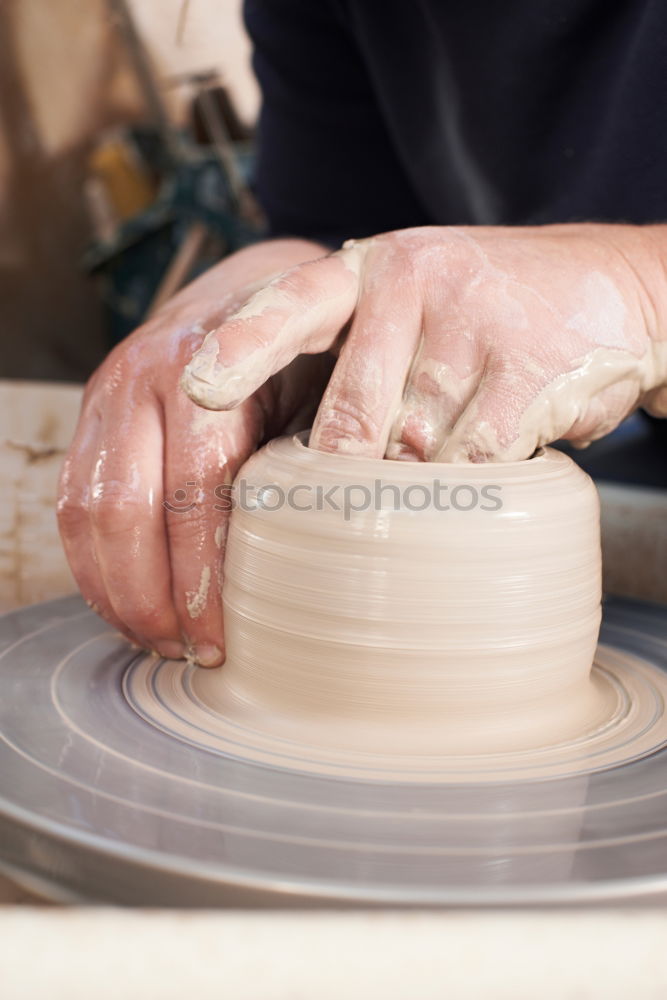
104	799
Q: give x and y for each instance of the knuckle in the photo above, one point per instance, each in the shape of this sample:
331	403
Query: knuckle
253	331
187	525
299	285
142	620
115	509
70	514
129	371
112	375
350	417
72	511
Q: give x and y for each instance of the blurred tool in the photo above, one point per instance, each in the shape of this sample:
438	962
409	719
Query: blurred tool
166	202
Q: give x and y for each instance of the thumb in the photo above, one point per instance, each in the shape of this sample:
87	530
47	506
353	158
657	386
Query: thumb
300	312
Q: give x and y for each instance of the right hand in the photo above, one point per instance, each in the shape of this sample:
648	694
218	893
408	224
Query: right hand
137	505
460	344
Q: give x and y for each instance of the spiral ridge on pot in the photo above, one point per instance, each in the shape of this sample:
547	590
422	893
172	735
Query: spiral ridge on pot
347	595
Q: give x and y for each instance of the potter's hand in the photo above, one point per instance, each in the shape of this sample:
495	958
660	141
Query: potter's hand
461	344
142	506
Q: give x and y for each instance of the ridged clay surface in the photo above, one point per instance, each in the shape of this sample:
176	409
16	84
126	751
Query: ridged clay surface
451	642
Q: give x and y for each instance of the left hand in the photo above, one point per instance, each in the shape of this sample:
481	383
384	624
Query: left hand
143	506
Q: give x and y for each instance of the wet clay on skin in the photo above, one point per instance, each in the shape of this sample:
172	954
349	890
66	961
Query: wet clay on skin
426	638
452	366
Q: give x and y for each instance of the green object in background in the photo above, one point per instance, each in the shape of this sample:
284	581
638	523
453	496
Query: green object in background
195	188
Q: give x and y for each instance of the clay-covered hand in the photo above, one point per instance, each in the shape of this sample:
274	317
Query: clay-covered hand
143	505
460	344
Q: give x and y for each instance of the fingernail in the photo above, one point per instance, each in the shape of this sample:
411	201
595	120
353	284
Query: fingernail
207	655
170	649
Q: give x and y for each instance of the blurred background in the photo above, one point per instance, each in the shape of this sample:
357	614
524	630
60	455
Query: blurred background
125	146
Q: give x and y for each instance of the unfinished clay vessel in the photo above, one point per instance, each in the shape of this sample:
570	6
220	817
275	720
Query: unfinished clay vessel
415	608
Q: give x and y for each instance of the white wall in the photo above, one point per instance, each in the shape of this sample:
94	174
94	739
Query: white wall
211	35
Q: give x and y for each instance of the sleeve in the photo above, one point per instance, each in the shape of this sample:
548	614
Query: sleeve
326	168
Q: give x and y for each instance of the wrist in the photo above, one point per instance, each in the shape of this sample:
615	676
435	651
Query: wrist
650	265
643	250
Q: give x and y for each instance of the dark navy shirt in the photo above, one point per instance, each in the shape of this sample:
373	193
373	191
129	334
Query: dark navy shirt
381	114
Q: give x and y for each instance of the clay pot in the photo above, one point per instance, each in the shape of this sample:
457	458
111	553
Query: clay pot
441	608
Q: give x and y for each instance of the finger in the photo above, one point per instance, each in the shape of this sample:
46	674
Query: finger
604	412
128	527
300	312
442	382
204	451
73	511
513	412
297	391
365	389
494	426
519	408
